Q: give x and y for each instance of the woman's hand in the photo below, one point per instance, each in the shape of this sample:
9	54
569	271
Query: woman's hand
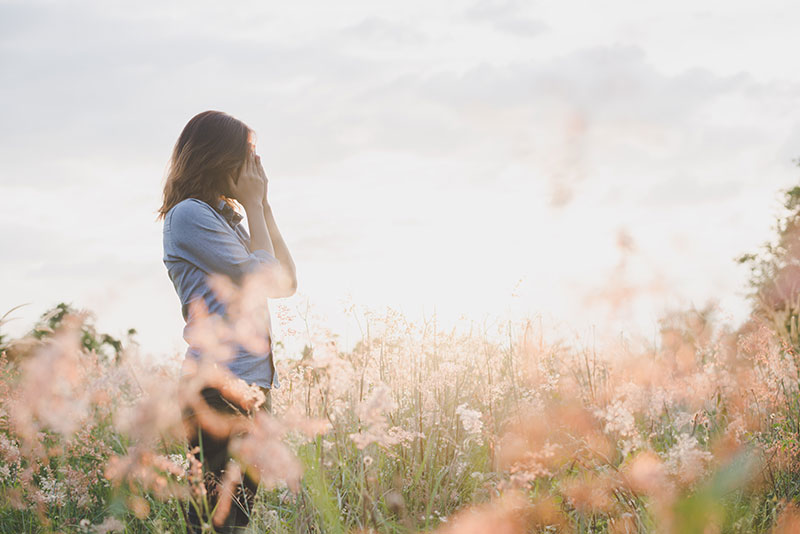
263	175
250	187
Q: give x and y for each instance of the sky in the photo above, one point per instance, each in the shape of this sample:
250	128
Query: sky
591	167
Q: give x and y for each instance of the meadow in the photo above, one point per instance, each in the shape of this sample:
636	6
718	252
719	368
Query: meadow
418	429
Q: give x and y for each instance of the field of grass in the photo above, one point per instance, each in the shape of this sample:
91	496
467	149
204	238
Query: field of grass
480	430
417	429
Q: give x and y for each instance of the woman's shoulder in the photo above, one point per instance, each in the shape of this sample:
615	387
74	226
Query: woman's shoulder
190	213
190	207
190	204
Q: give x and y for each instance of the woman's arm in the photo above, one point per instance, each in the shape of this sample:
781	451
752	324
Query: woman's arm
278	246
280	250
251	192
264	235
256	221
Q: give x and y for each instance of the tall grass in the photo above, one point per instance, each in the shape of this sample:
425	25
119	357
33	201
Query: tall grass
417	429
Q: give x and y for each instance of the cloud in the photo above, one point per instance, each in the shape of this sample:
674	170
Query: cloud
684	190
562	118
506	16
88	82
381	30
85	82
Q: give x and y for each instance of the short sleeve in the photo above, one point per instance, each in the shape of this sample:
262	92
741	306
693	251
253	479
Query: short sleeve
200	236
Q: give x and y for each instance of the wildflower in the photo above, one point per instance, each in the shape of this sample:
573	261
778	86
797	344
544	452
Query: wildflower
788	520
646	474
195	475
181	461
686	460
590	492
52	392
371	413
510	514
139	506
231	478
143	467
619	420
264	456
109	524
470	419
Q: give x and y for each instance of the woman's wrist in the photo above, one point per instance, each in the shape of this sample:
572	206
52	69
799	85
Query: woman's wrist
253	205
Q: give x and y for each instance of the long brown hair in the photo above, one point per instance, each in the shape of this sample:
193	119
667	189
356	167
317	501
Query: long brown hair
212	146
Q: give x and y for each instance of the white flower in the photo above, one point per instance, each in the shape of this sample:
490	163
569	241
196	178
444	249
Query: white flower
110	524
619	420
470	419
686	460
52	492
181	460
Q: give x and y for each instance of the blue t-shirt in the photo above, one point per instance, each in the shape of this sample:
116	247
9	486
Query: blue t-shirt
200	240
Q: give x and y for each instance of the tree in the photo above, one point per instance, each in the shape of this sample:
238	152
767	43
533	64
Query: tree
775	273
49	323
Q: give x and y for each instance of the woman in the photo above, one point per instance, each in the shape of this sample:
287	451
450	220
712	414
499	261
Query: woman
213	163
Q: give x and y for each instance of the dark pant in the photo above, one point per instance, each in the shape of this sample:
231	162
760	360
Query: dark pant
215	456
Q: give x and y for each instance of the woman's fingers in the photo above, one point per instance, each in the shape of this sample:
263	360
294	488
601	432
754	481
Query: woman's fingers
249	163
260	168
